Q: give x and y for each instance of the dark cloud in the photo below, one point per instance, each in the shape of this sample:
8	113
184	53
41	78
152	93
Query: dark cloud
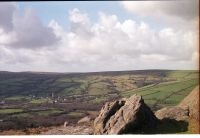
31	32
184	9
6	15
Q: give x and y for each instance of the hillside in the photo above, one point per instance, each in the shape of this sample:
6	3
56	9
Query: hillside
53	98
95	87
173	119
192	102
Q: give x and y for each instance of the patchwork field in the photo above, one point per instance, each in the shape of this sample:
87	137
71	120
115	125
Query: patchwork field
38	99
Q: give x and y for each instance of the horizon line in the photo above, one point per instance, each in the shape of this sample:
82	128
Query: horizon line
100	71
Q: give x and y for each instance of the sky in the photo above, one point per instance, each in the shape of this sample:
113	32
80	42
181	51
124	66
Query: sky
95	36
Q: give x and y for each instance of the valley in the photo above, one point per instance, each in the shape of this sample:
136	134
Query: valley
37	99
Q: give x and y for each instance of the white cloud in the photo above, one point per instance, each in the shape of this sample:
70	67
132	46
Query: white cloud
25	31
75	16
107	44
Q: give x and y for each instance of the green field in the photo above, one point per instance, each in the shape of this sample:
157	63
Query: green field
75	114
10	111
22	115
49	112
15	98
39	101
99	100
165	94
156	86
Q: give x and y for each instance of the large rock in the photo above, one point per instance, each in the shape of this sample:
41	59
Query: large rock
124	116
174	113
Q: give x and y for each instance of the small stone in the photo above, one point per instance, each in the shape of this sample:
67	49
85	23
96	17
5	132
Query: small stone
86	119
66	123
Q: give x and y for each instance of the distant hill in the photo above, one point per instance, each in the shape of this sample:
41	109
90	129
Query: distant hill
94	83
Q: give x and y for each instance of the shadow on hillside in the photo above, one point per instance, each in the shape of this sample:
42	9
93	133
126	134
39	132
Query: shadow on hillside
165	126
169	126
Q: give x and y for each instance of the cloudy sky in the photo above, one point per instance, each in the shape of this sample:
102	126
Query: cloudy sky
98	36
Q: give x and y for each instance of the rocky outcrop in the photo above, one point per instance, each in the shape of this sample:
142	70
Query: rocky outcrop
124	116
176	113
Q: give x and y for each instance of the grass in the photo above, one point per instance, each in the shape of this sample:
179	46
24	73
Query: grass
71	91
39	101
22	115
182	74
49	112
124	82
75	114
98	100
165	94
16	98
98	88
65	80
10	111
75	90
